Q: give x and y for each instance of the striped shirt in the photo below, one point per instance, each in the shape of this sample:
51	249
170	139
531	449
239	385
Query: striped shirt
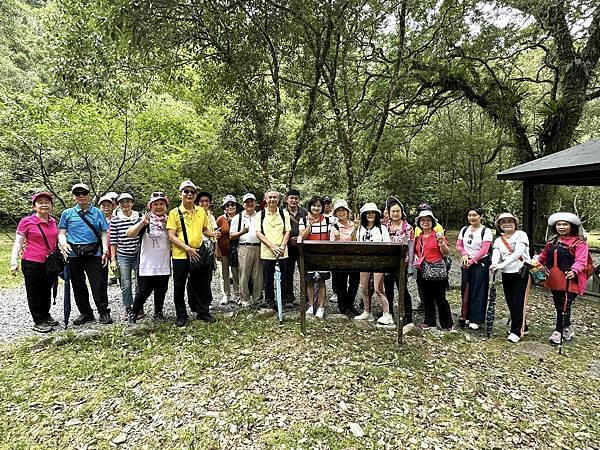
319	231
118	227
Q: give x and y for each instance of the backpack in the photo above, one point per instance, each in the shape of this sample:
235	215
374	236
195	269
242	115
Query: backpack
464	229
262	219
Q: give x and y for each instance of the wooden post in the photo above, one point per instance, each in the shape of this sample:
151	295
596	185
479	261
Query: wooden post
401	281
529	212
302	289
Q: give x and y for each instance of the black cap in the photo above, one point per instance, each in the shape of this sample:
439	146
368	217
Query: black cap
326	199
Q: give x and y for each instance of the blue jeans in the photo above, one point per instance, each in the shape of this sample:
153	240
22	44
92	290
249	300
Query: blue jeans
126	265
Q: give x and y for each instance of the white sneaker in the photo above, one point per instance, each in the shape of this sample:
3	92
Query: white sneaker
555	337
224	300
474	326
366	315
568	333
333	298
386	319
512	337
320	313
310	311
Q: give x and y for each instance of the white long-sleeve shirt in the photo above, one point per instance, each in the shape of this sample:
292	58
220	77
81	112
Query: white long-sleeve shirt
506	261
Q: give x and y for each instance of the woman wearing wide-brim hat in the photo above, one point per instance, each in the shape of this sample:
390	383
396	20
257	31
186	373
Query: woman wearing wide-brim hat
565	256
432	272
371	230
230	209
510	252
401	232
38	233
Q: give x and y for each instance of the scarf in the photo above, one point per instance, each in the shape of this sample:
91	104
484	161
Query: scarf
157	225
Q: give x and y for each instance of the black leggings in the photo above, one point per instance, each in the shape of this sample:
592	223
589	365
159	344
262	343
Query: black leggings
559	304
38	285
145	286
389	281
434	296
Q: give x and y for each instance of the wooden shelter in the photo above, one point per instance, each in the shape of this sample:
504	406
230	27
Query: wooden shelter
575	166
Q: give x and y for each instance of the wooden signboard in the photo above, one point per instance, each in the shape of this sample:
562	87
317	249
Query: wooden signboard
327	256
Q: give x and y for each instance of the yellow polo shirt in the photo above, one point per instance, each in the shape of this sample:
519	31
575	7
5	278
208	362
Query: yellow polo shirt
195	221
273	231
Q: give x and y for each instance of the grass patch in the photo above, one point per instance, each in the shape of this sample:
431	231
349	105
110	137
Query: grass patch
253	384
6	245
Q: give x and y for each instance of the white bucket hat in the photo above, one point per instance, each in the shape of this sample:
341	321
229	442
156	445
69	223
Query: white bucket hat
565	216
341	204
369	207
229	199
506	215
425	213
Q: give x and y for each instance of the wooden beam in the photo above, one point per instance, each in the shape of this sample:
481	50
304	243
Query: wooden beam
528	212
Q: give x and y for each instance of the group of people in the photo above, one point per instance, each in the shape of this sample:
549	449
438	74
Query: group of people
244	247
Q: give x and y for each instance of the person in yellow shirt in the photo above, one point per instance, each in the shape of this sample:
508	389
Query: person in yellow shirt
273	229
185	243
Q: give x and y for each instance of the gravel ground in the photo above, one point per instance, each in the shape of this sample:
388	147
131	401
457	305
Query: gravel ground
16	323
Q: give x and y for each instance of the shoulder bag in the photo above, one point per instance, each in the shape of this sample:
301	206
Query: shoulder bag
206	250
55	262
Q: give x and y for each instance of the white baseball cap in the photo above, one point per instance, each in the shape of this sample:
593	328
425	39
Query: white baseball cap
228	199
187	183
83	186
248	196
124	196
105	198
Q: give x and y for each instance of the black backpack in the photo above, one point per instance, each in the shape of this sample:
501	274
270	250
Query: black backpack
262	219
461	235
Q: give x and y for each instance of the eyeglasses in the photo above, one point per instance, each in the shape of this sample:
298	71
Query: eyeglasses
159	194
80	193
470	238
189	191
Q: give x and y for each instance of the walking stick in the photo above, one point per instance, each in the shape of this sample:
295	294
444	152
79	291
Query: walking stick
560	345
278	291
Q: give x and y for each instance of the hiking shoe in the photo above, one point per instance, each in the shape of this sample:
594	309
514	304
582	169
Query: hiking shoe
82	318
181	322
555	337
568	333
512	337
105	319
206	318
310	311
132	318
386	319
141	315
320	313
224	300
42	328
159	317
333	298
51	321
366	315
474	326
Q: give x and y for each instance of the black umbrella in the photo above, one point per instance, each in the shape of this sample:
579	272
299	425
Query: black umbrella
491	309
67	293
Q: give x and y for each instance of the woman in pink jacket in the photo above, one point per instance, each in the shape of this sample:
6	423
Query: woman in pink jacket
565	256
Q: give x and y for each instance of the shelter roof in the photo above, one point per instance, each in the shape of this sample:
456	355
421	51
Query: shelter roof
579	165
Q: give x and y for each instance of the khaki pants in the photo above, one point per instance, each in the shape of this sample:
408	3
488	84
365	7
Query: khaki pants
250	269
225	275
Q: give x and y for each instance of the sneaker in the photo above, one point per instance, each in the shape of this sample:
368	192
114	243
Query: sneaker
105	319
366	315
244	303
555	337
81	319
333	298
526	330
42	328
181	322
126	313
473	326
386	319
424	326
320	313
131	320
207	318
51	321
141	315
568	333
224	300
512	337
159	317
310	311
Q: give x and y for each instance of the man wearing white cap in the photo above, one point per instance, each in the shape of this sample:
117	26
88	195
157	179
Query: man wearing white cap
243	228
185	247
83	238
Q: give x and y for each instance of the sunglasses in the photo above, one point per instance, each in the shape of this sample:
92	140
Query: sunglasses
80	193
189	191
470	238
229	205
159	194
